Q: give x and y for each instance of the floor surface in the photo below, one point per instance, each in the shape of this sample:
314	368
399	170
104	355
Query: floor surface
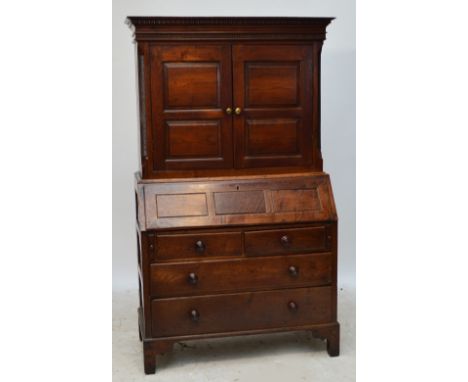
280	357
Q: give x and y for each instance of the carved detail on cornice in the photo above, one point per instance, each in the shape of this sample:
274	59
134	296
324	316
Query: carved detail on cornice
144	36
142	20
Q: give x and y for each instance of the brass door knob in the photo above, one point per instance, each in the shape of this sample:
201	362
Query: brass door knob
228	111
237	110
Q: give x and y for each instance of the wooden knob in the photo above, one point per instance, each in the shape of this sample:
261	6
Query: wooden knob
194	315
293	271
285	241
192	278
292	305
200	246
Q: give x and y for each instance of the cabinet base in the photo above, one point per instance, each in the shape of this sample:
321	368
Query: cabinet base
154	347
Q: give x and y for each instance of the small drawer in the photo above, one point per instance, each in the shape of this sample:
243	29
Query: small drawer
241	311
198	245
255	273
289	240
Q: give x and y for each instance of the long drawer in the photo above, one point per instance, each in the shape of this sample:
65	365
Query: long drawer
194	278
241	311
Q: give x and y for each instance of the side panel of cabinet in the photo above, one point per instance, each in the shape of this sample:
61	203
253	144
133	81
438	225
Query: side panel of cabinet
191	86
273	86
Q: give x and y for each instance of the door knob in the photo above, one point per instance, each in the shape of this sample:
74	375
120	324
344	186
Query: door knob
228	111
285	241
293	271
194	315
192	278
237	110
200	246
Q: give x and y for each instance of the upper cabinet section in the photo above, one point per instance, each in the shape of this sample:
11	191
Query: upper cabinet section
227	96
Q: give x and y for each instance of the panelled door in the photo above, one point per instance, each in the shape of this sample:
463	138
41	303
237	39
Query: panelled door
191	86
273	104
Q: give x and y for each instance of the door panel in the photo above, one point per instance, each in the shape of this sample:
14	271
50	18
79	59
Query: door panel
191	87
272	86
272	136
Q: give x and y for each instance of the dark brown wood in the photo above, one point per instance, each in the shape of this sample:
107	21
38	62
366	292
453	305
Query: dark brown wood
255	273
305	197
146	241
284	241
202	68
272	29
150	350
236	221
191	87
333	342
275	126
330	333
149	358
198	245
240	311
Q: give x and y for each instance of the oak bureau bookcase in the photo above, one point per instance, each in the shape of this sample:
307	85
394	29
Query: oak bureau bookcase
236	221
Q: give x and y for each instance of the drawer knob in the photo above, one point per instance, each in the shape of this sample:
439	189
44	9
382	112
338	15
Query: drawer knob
285	241
292	306
200	246
293	271
194	315
192	278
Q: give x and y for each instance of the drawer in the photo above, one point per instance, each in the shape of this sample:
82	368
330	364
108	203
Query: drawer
241	311
282	241
198	245
192	278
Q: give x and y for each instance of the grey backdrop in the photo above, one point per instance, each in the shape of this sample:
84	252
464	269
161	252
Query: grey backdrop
338	114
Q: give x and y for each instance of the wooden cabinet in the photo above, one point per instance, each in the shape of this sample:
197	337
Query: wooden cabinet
221	99
236	221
